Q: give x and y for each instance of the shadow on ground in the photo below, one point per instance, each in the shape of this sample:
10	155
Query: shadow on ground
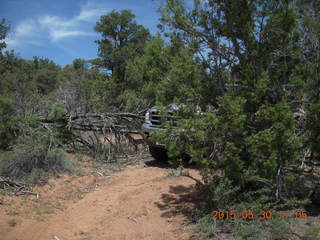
157	163
180	200
166	164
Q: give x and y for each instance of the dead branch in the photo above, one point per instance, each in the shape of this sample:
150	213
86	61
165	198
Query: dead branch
17	188
118	125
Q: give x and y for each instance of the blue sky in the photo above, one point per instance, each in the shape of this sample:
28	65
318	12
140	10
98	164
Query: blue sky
62	30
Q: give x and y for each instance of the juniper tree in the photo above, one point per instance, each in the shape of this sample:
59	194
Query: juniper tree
256	44
122	40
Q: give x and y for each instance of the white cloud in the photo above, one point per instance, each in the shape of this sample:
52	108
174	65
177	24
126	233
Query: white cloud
31	31
58	34
90	12
61	28
24	32
55	22
25	28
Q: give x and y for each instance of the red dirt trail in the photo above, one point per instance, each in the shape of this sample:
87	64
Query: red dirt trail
139	203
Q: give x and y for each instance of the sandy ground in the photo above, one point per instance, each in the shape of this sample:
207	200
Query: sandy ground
141	202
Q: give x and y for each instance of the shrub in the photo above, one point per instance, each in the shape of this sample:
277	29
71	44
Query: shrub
8	122
279	229
312	232
34	154
206	227
12	222
249	230
224	193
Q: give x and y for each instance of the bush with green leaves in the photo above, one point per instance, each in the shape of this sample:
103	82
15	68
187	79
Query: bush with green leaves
33	154
8	122
252	137
248	151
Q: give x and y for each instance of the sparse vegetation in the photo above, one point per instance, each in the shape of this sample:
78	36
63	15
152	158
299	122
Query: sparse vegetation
48	211
313	232
32	158
13	213
40	218
12	222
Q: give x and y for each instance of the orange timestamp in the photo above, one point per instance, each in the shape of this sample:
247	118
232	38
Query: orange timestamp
263	214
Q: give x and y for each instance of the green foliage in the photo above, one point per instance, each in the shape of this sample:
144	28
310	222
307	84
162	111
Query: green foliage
12	222
313	113
133	100
254	129
62	134
35	153
37	175
4	28
8	122
45	76
310	26
249	230
84	88
148	70
205	226
224	194
313	232
280	229
57	113
122	40
29	77
257	63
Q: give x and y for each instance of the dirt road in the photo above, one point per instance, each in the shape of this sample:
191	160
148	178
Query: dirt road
141	202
